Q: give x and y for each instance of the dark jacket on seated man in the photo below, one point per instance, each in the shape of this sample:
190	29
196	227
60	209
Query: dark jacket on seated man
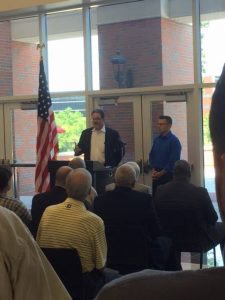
126	207
180	193
57	195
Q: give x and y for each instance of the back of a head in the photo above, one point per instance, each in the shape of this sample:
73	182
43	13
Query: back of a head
167	118
125	176
5	176
61	174
77	163
182	169
78	184
136	168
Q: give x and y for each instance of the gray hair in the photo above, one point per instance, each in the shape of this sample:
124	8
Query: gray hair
182	168
76	163
125	176
78	184
135	166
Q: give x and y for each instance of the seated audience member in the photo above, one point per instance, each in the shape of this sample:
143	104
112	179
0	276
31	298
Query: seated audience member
126	206
10	203
180	192
25	272
140	187
76	163
71	225
206	284
55	196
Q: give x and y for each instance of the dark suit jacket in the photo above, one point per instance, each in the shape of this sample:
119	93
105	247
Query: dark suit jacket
41	201
112	149
180	193
124	206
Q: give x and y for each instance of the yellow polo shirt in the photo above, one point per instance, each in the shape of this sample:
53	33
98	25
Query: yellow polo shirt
71	225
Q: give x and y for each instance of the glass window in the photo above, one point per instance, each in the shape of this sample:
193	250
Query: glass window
66	51
213	45
19	58
70	117
145	43
209	171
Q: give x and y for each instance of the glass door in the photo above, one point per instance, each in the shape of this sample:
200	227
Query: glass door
135	117
123	113
21	132
163	104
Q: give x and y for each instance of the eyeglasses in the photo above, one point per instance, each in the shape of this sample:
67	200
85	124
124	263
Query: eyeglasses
162	124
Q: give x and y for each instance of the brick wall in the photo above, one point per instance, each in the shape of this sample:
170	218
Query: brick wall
5	59
25	133
177	53
140	43
120	117
25	63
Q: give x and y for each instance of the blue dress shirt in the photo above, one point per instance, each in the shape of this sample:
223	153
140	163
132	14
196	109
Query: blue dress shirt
165	152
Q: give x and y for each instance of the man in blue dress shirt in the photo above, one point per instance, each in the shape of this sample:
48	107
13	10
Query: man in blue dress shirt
165	152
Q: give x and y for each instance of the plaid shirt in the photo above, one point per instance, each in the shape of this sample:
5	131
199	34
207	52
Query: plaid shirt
17	207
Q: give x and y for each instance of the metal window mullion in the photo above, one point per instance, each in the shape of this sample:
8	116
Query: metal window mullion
87	49
43	40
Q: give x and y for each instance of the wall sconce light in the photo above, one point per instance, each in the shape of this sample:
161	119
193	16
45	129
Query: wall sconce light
118	62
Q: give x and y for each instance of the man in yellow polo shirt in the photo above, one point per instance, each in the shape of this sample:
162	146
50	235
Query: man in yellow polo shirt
71	225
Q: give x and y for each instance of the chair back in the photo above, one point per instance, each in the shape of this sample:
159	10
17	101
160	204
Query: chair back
67	265
128	249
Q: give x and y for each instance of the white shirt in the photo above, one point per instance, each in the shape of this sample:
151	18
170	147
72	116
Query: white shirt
98	145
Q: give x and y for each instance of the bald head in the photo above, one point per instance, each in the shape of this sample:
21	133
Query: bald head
78	184
136	168
76	163
125	176
61	174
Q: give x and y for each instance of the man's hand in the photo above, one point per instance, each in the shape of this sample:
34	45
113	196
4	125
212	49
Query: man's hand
157	174
77	150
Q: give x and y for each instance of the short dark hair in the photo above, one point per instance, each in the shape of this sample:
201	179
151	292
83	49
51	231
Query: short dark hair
182	168
216	116
167	118
99	111
5	175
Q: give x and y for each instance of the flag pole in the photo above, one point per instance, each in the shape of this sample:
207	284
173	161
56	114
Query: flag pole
47	142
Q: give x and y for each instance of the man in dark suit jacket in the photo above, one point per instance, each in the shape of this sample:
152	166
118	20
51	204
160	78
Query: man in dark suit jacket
180	192
124	207
100	143
57	195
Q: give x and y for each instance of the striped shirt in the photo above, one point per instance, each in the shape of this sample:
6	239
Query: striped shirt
71	225
17	207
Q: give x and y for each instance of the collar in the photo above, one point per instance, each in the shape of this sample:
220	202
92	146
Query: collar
75	203
166	136
101	130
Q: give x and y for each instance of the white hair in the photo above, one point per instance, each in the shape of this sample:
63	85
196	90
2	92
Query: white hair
136	168
125	176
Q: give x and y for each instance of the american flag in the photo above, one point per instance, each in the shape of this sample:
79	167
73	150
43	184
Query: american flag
47	142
